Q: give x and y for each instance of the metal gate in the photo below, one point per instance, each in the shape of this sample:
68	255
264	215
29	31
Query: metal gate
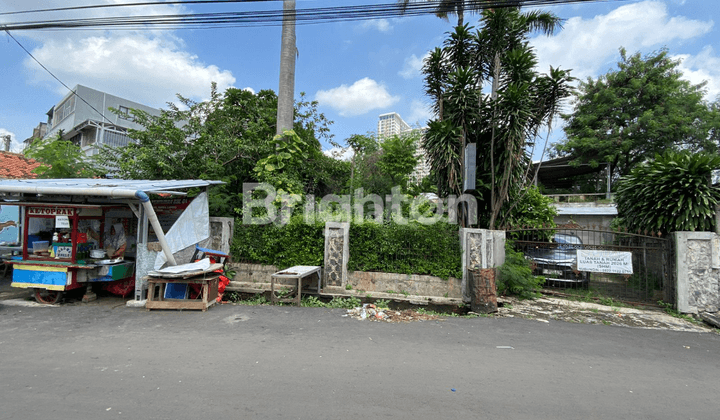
553	255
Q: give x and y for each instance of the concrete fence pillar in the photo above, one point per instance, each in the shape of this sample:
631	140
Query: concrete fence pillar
697	266
481	249
222	230
337	252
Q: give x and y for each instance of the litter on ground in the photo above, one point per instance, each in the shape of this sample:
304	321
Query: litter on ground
370	312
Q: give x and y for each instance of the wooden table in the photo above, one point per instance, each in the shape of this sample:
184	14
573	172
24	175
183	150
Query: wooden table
207	298
298	272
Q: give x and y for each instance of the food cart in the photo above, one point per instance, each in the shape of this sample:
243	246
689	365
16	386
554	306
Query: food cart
79	232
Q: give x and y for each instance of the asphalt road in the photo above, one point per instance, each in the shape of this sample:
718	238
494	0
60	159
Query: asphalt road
108	361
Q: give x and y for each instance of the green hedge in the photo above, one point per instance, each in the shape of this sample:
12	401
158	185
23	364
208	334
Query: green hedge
407	249
296	243
392	248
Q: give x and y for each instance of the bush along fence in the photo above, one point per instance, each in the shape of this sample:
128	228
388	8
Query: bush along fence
380	260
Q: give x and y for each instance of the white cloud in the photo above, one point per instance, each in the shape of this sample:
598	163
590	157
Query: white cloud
413	66
149	67
149	70
704	67
359	98
382	25
590	46
420	113
340	153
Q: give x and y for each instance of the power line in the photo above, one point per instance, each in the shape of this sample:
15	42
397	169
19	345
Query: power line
241	19
264	17
55	77
147	3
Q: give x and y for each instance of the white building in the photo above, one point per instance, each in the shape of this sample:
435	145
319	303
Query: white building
84	116
391	124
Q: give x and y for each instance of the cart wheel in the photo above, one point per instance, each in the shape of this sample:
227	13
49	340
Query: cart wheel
47	297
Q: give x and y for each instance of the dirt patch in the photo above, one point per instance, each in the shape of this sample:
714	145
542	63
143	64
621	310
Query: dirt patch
371	313
552	309
545	309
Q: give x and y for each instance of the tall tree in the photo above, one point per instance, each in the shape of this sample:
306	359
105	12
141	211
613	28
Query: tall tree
501	124
360	145
288	52
641	109
398	159
222	138
378	166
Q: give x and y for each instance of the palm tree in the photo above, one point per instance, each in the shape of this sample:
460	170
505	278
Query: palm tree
450	7
502	123
288	52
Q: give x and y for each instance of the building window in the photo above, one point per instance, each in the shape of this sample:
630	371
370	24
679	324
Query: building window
125	113
63	110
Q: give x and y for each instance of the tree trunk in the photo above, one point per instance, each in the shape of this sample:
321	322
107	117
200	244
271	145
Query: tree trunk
288	52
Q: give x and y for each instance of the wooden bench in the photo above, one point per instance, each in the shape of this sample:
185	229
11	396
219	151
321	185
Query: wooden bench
298	273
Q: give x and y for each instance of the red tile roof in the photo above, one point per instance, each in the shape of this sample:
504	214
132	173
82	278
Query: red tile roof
15	165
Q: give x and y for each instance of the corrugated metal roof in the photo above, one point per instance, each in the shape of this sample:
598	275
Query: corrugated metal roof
83	186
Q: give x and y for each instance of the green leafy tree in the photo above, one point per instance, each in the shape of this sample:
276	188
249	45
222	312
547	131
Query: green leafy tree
61	159
222	138
637	111
398	159
282	169
503	124
532	210
361	146
378	166
672	192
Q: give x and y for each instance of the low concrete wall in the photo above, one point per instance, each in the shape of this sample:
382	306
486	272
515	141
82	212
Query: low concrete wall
410	284
697	271
251	275
255	278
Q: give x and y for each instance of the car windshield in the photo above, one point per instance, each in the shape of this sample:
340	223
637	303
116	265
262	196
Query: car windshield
565	251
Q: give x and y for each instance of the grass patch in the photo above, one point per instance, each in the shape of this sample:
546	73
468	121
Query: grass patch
668	308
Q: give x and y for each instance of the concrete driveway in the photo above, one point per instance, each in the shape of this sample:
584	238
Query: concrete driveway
106	360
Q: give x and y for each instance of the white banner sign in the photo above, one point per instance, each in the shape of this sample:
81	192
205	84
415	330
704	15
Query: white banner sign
612	262
62	222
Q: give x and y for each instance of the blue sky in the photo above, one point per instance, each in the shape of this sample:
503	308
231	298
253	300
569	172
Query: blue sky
356	70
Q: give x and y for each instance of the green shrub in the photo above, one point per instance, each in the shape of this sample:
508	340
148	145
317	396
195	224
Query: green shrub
296	243
516	277
413	248
671	193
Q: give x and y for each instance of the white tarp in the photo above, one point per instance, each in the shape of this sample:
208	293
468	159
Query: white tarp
192	267
191	227
612	262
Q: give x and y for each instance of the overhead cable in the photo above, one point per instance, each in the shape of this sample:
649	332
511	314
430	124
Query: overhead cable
269	17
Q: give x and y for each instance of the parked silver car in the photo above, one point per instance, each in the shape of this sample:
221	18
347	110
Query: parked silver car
558	261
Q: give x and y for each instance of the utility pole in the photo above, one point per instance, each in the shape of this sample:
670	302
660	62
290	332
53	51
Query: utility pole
7	140
286	88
